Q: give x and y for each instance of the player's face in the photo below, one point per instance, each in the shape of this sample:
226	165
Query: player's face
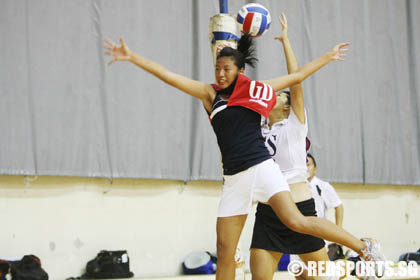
311	167
282	104
226	71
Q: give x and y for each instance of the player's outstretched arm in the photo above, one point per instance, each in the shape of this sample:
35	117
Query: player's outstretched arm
198	89
296	94
338	52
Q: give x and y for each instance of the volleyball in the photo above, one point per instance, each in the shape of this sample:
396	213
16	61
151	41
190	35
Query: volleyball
254	19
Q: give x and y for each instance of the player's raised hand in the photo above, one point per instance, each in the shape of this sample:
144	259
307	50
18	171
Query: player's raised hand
283	23
118	53
339	51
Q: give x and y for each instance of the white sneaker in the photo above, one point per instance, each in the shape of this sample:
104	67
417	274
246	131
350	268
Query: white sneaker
372	253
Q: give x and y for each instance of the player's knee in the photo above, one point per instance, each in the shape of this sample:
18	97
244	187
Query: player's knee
225	251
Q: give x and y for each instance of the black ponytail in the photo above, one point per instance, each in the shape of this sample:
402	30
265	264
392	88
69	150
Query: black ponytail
245	54
246	47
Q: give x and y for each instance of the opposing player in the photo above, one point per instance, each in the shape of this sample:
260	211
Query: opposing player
285	133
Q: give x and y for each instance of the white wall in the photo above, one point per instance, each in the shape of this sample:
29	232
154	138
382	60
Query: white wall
388	213
67	221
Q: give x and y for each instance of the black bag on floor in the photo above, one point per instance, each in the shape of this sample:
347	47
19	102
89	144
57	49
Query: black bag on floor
335	252
4	269
109	264
412	256
29	268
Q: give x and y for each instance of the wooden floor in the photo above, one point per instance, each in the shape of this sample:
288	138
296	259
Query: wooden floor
280	275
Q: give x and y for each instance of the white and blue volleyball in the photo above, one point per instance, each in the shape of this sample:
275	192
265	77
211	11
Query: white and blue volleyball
254	19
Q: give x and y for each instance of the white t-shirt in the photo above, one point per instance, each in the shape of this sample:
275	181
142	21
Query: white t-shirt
286	142
324	195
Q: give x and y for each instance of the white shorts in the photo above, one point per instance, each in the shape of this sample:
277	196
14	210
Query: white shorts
256	184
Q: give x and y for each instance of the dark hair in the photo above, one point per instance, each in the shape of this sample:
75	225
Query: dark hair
245	54
313	159
287	93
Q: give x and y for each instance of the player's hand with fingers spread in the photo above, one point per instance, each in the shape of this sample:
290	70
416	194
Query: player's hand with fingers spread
283	22
339	51
119	53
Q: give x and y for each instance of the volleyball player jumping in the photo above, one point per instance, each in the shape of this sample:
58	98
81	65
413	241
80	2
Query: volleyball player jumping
235	106
285	134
